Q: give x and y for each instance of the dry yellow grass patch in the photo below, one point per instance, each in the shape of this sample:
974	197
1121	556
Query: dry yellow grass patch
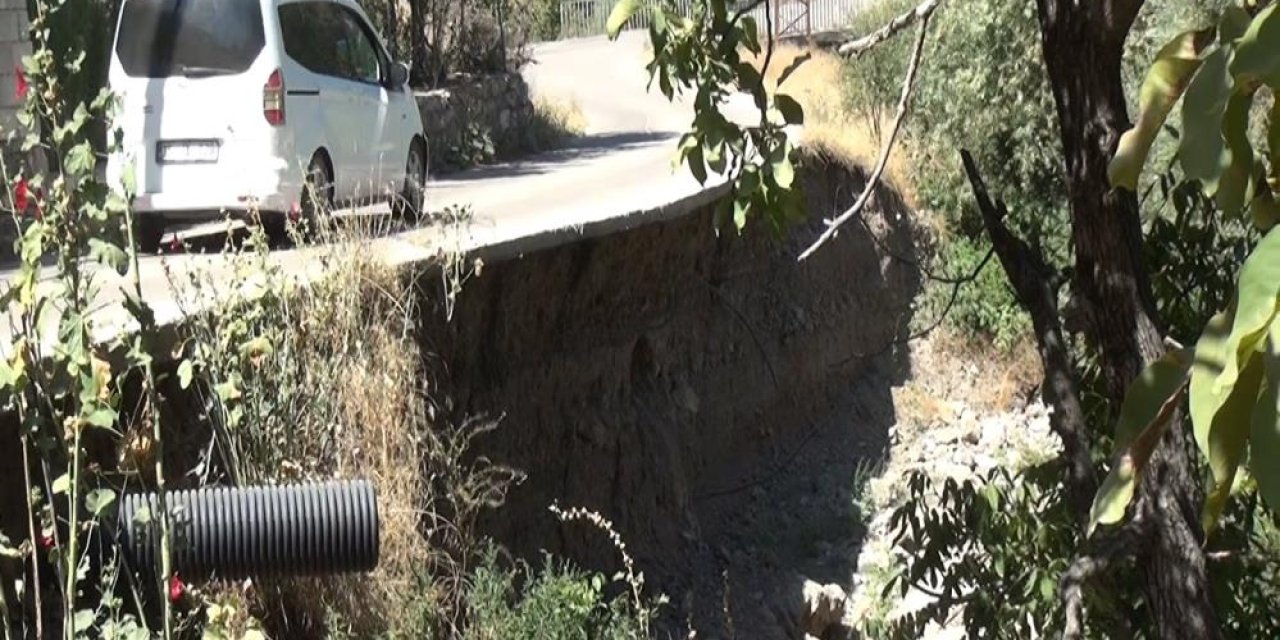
830	125
563	117
338	396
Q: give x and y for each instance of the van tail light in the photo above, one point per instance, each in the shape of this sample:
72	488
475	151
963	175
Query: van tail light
273	99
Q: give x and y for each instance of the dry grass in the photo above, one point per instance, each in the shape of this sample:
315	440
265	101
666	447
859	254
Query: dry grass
948	367
830	125
555	121
381	412
338	396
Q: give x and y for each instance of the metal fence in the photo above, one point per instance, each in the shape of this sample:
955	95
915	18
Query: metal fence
579	18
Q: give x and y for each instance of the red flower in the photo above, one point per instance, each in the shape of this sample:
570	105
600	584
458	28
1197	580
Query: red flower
21	82
20	196
176	588
47	542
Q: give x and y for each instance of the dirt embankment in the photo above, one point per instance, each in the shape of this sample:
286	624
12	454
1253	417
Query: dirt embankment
709	394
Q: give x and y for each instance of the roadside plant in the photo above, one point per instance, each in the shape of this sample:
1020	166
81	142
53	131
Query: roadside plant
65	373
699	53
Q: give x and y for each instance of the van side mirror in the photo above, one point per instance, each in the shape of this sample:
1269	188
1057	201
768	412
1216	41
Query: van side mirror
398	76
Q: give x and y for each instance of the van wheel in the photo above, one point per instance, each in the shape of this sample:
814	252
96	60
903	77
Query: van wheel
148	231
317	197
409	203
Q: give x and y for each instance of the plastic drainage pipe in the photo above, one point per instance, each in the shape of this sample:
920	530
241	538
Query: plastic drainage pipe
288	530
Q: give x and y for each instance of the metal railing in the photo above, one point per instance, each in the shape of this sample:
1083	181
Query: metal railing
791	18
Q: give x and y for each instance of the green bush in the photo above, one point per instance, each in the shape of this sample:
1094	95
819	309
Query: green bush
997	545
557	602
982	309
983	87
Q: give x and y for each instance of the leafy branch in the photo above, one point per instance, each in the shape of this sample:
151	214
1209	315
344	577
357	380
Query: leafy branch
1232	379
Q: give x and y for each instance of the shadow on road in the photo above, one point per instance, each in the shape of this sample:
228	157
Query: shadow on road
580	150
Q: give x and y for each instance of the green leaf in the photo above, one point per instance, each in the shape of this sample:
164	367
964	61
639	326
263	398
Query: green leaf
1264	460
1233	24
792	112
658	25
750	34
1227	438
102	418
784	173
80	160
622	12
99	500
185	371
62	484
1148	407
1255	307
1147	395
697	165
1210	358
747	75
256	347
109	255
83	620
1258	51
716	158
740	208
1233	184
227	391
1201	147
1165	82
129	179
791	68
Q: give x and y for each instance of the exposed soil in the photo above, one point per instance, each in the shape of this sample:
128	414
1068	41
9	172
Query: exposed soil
709	394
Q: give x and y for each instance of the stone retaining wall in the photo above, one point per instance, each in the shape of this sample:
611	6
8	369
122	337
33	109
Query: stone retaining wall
476	119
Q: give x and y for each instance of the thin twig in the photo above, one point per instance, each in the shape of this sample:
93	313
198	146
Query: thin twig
910	262
768	52
956	283
147	328
857	47
874	181
755	337
31	529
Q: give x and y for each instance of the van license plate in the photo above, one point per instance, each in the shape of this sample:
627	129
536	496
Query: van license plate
187	151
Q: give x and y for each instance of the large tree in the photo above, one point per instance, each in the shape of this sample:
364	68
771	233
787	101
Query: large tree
1113	304
1083	46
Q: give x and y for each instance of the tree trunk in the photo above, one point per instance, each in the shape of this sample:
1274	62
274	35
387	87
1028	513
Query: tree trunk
418	72
393	28
1083	44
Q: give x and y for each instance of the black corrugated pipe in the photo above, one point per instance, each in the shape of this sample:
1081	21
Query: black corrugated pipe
238	532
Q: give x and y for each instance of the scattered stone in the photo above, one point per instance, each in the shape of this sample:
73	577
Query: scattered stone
823	607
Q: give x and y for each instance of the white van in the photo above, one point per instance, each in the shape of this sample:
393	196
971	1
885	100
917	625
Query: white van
244	105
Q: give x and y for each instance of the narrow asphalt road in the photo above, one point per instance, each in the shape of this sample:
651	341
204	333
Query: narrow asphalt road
621	165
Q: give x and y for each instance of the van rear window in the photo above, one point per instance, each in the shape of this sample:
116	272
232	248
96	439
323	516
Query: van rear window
196	38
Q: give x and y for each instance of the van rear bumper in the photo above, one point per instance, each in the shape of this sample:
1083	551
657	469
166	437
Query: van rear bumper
178	206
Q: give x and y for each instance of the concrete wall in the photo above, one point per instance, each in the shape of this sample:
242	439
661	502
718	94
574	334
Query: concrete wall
496	106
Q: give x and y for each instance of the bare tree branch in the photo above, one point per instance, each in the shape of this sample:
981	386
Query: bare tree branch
956	284
1033	283
908	84
855	48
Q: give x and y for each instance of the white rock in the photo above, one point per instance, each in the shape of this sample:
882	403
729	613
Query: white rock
823	607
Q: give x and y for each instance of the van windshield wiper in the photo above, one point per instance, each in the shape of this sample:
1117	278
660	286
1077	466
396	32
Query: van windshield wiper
203	72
